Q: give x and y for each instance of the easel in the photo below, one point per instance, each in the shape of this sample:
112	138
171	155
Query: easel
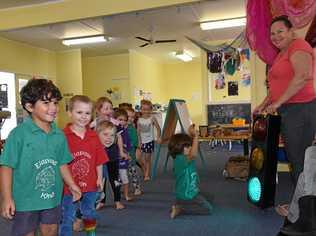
177	111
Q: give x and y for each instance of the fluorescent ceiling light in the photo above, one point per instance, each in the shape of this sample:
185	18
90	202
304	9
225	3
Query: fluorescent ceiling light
184	56
85	40
226	23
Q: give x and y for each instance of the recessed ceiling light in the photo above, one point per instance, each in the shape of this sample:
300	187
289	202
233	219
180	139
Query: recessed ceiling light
183	55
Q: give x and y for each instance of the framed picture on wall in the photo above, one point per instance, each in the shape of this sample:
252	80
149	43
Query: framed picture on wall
233	88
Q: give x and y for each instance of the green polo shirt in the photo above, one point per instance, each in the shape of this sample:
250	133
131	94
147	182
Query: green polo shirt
187	179
35	157
132	134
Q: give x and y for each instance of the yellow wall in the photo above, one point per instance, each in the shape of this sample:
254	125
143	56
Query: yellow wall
105	72
148	75
24	59
69	79
205	92
258	87
183	80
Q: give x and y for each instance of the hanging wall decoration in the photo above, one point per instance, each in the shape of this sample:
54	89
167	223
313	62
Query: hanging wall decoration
245	79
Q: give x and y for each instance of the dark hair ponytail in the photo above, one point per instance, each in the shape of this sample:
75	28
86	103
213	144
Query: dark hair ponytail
284	19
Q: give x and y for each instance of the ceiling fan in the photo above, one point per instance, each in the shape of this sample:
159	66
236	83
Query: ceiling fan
151	41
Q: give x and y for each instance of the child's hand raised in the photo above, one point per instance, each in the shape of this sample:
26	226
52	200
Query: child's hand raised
76	192
192	131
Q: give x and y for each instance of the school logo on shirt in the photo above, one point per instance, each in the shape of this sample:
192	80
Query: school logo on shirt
45	179
80	170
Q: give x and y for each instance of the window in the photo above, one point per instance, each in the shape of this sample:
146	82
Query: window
7	82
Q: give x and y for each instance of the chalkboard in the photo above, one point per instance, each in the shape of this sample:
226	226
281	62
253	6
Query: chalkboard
224	113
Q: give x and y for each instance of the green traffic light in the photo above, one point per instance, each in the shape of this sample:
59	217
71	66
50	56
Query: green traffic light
254	189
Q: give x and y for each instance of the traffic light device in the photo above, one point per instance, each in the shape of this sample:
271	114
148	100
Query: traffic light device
263	160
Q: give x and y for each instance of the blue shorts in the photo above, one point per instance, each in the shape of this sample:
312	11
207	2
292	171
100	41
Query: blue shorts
148	147
25	222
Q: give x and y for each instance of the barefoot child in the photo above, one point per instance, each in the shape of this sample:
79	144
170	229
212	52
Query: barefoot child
145	129
122	118
86	167
183	149
34	164
107	133
132	133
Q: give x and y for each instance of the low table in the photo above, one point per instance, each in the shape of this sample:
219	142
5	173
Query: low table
242	137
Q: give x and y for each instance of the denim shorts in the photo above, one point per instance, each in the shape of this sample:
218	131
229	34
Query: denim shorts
25	222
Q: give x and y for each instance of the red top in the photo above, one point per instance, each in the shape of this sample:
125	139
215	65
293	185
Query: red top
282	72
87	153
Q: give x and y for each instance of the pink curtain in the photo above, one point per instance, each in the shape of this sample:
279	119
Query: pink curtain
257	30
300	12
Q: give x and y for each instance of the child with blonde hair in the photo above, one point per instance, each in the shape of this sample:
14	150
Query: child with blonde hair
107	133
145	129
104	111
86	167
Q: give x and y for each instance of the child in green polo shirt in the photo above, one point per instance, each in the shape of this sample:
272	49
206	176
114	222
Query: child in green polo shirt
183	149
34	164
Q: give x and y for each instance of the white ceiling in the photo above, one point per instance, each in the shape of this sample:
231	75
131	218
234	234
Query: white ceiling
165	23
4	4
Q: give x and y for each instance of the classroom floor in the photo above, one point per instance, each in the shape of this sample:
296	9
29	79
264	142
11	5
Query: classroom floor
233	215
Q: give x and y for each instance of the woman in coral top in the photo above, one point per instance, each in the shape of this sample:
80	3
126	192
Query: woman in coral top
291	92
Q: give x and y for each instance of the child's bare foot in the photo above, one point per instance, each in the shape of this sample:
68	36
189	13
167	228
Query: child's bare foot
174	211
128	198
137	192
78	225
146	178
119	206
99	206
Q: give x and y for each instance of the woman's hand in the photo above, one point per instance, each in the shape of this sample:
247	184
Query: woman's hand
272	108
258	110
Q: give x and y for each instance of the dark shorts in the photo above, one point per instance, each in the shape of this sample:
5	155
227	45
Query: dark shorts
148	147
25	222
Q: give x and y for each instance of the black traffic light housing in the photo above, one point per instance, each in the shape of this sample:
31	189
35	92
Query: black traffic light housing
261	181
